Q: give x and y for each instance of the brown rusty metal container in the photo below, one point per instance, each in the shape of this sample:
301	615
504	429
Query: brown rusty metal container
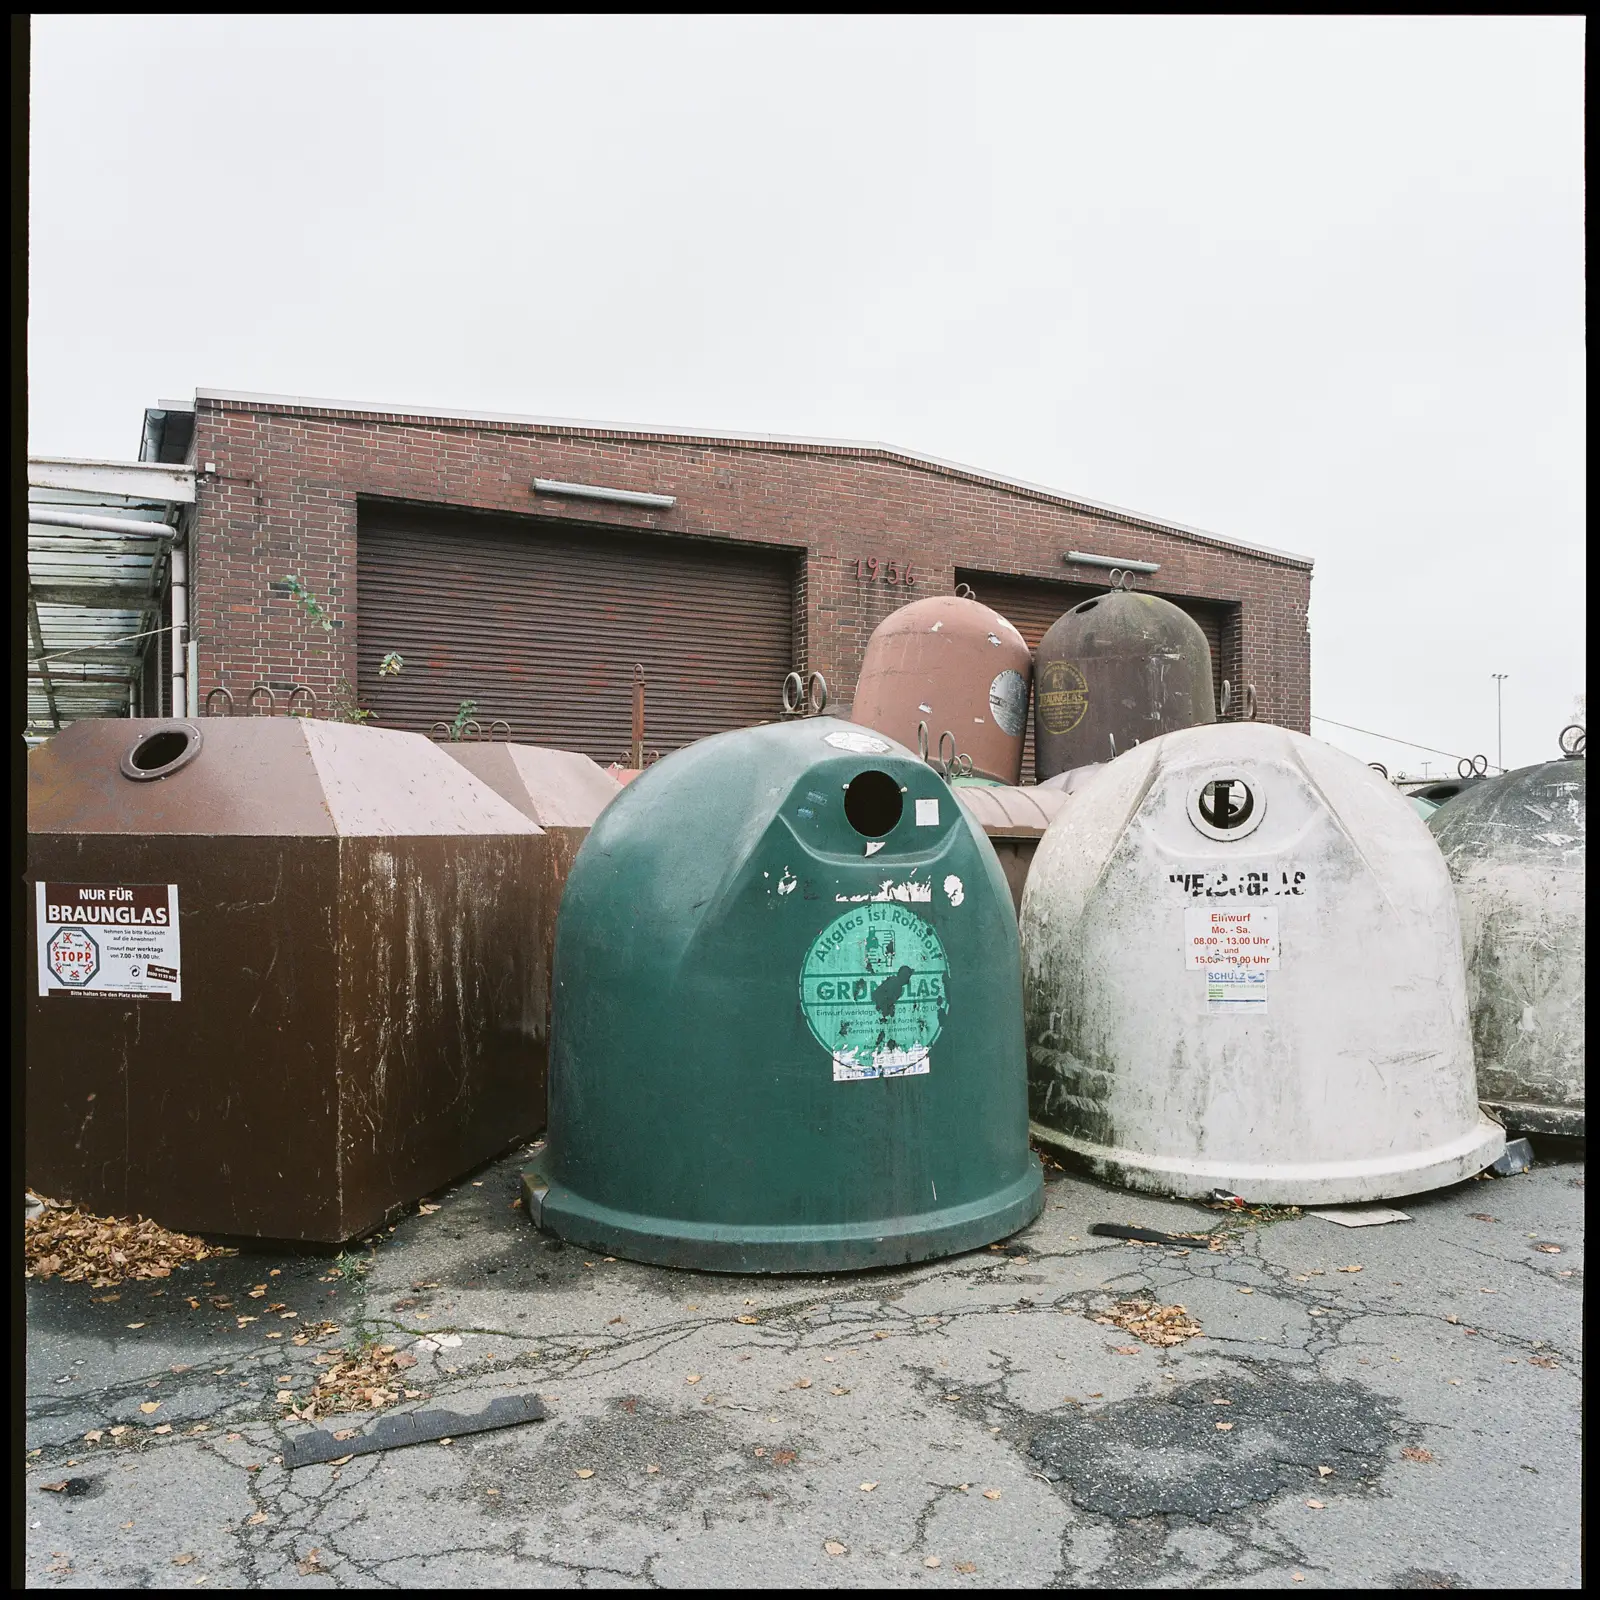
955	666
1113	672
352	1010
1014	819
562	791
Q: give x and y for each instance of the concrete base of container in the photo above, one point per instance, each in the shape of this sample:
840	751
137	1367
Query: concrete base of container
714	1247
1522	1116
1287	1183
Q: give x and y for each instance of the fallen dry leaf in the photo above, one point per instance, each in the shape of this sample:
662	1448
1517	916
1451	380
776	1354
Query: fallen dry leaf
966	1566
136	1324
1414	1452
1247	1291
838	1389
93	1436
1548	1249
867	1487
1224	1427
184	1559
1158	1325
165	1427
1533	1361
147	1406
1127	1349
833	1547
1351	1268
878	1335
255	1519
311	1564
426	1211
585	1472
62	1241
784	1458
746	1319
694	1377
802	1383
930	1561
1324	1472
652	1469
1317	1505
991	1494
54	1488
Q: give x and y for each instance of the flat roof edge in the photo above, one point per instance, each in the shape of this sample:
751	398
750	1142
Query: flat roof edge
860	447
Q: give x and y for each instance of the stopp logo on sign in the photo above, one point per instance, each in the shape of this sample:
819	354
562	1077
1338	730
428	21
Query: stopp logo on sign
73	956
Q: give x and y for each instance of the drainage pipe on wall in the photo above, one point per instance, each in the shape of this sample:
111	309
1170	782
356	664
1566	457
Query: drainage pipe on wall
182	701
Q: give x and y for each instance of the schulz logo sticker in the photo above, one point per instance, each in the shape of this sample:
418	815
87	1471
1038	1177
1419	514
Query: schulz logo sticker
1061	696
874	989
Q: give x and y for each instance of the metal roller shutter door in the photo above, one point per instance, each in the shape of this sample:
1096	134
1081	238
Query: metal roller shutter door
1031	605
541	624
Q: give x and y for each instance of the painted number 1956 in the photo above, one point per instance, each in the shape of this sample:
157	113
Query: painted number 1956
867	567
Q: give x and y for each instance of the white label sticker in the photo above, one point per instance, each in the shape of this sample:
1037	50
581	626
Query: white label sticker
862	744
928	813
110	939
1213	937
1008	701
1235	989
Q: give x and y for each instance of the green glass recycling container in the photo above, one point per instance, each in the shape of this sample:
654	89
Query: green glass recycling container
787	1022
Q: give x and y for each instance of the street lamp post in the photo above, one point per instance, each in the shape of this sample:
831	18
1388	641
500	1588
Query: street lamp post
1499	724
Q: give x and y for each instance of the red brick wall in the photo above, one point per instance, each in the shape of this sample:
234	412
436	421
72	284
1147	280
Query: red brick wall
283	501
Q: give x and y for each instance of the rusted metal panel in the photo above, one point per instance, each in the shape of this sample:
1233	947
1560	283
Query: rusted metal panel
951	666
362	1004
543	627
1014	819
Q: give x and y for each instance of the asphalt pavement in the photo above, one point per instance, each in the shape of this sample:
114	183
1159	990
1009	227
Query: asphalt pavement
969	1422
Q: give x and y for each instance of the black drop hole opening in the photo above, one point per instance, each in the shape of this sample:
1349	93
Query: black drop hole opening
1088	605
873	803
1227	803
161	751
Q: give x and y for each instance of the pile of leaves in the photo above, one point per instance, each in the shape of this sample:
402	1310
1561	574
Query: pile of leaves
1144	1319
64	1242
358	1378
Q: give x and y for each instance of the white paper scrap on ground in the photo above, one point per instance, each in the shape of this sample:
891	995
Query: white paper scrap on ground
1362	1216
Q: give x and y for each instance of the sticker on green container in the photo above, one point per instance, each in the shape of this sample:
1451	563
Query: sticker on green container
874	989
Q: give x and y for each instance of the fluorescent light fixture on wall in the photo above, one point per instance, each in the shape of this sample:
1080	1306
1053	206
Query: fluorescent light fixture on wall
593	491
1111	561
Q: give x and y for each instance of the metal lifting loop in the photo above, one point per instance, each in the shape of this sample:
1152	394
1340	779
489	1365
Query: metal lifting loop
794	692
1480	766
228	698
1572	740
946	762
310	694
1249	702
1464	767
439	732
1379	768
272	699
472	729
1227	698
817	693
965	591
922	741
499	722
961	767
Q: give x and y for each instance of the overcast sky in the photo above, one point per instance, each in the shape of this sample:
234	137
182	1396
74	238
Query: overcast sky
1312	283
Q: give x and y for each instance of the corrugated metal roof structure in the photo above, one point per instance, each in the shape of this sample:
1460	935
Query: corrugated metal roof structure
100	543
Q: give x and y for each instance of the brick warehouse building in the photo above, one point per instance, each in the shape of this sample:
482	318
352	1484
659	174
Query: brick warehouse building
476	548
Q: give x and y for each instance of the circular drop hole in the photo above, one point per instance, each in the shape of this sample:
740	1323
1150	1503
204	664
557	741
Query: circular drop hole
873	803
1227	803
162	751
1088	605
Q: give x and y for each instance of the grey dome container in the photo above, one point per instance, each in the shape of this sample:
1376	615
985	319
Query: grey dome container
1514	847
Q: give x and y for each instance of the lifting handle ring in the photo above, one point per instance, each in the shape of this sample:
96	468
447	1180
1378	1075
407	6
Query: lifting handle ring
922	741
965	591
499	722
310	694
272	699
1573	738
472	729
1249	702
946	762
1379	768
439	732
227	697
817	693
1227	698
794	692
